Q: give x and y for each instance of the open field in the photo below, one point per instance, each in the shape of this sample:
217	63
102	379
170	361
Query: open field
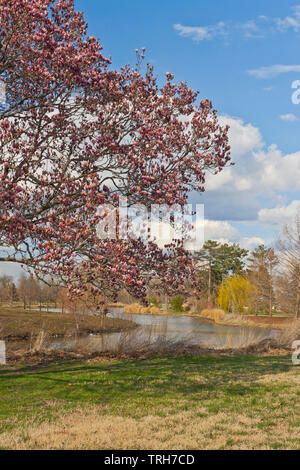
224	402
20	324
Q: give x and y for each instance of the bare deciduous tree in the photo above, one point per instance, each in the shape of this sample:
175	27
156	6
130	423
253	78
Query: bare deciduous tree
289	246
263	263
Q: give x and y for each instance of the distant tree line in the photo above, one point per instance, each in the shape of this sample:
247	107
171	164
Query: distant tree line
27	291
265	280
262	281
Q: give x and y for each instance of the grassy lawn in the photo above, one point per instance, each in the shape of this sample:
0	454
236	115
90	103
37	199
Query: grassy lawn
164	403
19	324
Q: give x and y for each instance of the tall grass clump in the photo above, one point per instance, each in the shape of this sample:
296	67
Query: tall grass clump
213	314
136	309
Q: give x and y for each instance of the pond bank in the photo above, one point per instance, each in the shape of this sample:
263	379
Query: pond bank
267	347
272	323
83	337
17	324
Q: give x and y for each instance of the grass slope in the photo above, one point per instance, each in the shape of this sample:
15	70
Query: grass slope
20	324
163	403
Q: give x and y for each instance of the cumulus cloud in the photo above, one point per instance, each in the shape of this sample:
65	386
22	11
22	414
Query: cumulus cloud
261	174
279	172
224	232
280	215
259	169
244	138
249	243
220	230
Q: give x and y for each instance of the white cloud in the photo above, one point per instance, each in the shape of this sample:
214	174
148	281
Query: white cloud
253	28
273	71
278	172
214	182
250	29
224	232
220	230
260	172
291	21
201	33
258	169
289	117
279	215
243	137
249	243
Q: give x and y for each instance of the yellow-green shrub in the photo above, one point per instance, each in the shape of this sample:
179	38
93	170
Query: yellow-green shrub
234	294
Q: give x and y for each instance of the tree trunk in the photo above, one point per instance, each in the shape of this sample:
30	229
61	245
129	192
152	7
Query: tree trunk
209	287
297	310
271	291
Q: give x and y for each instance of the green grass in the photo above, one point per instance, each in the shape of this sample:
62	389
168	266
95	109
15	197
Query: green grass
159	386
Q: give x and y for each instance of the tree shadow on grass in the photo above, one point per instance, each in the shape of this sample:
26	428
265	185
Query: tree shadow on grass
192	377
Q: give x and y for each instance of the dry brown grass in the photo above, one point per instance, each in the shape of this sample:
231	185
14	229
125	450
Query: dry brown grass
136	309
197	429
245	339
19	324
166	403
290	333
133	308
213	314
231	319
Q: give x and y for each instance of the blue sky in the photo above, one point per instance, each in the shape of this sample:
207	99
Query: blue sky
217	66
243	55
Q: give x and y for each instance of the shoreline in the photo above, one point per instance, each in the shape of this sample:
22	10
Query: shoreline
269	323
17	358
19	325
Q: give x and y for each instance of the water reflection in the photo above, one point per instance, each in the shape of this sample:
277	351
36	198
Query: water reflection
169	329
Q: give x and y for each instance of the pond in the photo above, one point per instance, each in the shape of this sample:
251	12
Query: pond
152	329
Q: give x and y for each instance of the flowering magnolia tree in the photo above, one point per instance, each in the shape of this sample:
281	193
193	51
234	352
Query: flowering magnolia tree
75	134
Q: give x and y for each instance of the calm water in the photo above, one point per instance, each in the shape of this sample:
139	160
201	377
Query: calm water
153	328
